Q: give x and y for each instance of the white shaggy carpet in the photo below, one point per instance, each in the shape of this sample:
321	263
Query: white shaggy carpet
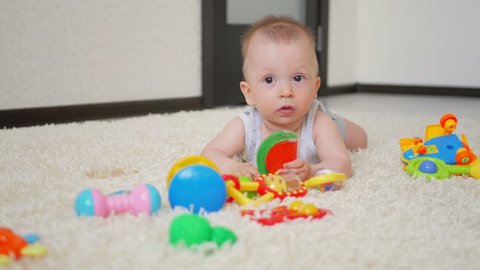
382	218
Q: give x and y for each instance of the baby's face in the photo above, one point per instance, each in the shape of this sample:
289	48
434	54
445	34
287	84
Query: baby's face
281	79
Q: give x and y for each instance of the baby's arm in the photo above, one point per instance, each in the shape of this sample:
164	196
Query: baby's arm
330	146
228	143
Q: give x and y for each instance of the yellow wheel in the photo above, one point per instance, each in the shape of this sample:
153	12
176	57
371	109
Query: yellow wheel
475	169
187	161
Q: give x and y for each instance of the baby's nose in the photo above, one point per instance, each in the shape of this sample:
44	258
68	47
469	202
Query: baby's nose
286	90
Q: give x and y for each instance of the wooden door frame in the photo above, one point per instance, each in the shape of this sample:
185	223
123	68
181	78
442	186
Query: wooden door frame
214	19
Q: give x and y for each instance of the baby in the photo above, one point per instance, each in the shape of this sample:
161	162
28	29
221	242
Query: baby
281	75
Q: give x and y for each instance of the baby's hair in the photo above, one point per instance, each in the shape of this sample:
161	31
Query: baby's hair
277	29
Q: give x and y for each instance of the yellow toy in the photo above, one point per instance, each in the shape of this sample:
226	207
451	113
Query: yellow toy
268	186
277	149
188	161
273	186
441	143
442	153
448	123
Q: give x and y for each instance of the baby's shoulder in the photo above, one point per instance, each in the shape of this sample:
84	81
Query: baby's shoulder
237	122
249	117
320	116
322	122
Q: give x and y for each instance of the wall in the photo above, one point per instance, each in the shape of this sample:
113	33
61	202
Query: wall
342	43
56	52
409	42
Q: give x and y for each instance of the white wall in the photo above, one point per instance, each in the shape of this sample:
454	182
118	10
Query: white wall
60	52
342	43
57	52
405	42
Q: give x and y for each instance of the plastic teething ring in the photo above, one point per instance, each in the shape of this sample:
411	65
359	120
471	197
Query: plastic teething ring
187	161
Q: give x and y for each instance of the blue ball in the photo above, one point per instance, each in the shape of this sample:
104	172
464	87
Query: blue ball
155	199
428	166
197	187
85	204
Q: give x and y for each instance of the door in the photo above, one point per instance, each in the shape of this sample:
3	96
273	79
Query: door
224	22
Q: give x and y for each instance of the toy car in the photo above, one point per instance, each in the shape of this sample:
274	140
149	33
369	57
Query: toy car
439	143
441	154
448	148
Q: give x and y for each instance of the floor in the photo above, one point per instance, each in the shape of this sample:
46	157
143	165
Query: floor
402	103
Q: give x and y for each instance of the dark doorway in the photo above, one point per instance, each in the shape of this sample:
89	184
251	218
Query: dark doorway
222	59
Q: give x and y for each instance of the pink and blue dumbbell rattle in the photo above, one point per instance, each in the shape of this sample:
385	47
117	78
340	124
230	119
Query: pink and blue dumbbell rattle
143	198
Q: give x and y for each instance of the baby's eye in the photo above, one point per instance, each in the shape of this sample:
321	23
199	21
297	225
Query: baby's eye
268	80
298	78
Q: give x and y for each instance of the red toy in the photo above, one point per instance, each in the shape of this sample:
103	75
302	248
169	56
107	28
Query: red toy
11	243
277	149
16	246
296	209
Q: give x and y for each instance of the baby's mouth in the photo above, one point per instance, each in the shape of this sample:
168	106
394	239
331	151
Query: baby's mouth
287	109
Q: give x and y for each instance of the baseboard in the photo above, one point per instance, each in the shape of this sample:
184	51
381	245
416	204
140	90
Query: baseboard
337	90
73	113
400	89
418	90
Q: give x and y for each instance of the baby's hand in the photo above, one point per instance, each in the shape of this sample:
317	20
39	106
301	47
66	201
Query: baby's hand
242	169
298	167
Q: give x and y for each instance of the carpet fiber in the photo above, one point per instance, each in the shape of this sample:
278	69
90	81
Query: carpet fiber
381	218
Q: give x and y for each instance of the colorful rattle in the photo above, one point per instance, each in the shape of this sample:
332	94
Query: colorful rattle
276	150
273	186
143	198
281	147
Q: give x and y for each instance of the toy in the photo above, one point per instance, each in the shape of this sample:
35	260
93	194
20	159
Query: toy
448	148
441	154
448	123
434	168
269	187
16	246
193	230
187	161
143	198
297	209
277	149
273	186
197	187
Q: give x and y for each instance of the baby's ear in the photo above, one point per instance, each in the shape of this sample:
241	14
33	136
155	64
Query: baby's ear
318	83
247	92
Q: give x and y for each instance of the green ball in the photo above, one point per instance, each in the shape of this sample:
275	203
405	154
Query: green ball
222	235
190	230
